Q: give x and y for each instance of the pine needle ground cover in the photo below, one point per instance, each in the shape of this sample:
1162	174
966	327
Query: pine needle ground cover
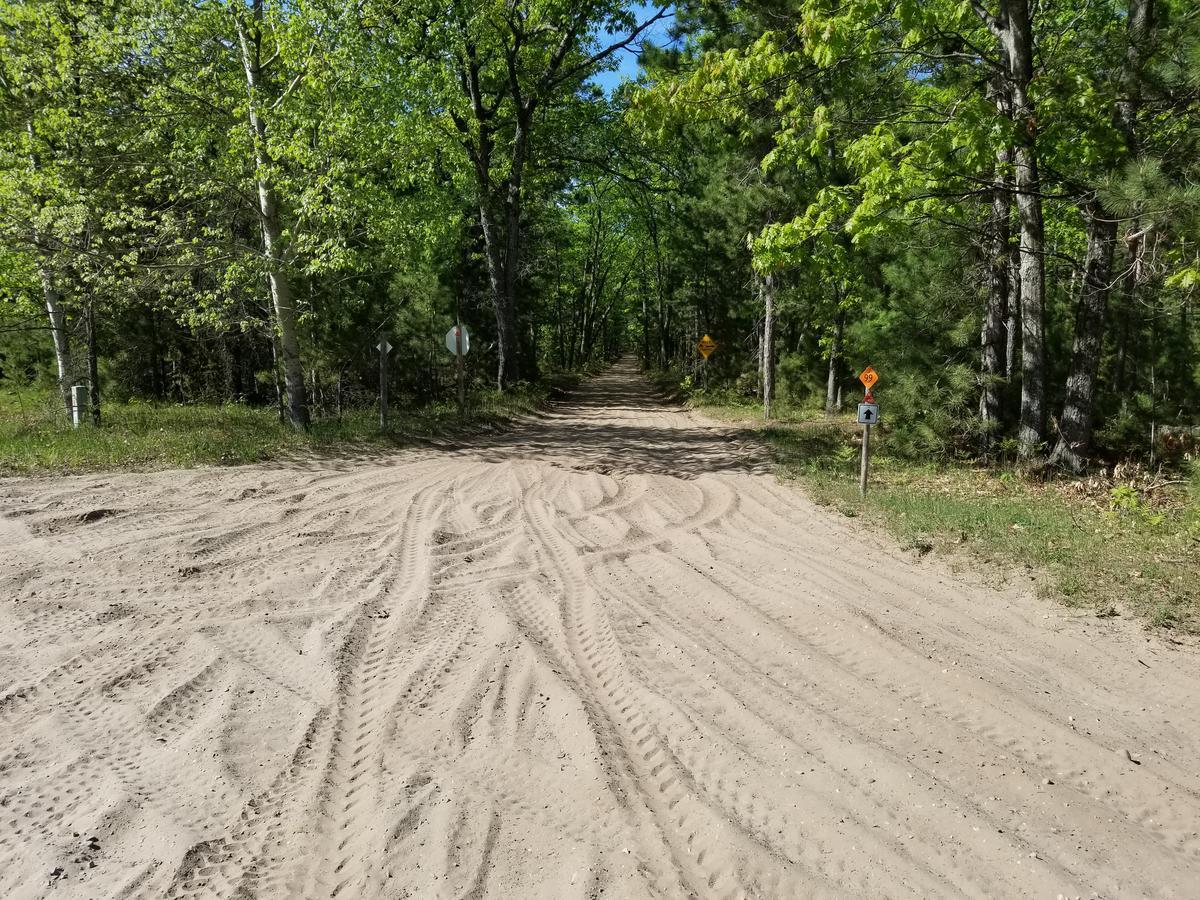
1125	542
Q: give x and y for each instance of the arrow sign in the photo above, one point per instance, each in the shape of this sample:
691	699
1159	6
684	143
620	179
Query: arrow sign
868	414
384	346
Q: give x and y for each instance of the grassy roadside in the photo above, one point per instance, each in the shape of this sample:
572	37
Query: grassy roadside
140	436
1125	543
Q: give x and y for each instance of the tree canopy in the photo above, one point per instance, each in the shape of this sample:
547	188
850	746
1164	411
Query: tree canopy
993	202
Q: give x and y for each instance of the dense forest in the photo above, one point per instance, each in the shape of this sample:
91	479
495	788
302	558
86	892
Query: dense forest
994	202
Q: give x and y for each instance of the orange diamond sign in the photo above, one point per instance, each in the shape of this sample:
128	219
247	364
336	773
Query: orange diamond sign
706	345
868	377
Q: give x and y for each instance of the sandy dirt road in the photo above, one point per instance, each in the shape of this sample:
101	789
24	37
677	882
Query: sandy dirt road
603	655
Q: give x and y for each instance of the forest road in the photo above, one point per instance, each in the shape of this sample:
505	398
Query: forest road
602	655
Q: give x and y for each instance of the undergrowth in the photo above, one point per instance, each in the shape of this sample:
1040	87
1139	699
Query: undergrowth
35	437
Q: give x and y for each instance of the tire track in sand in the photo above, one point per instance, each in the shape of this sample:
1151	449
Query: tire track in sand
595	655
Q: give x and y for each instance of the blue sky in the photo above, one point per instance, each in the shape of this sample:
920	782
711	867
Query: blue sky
656	34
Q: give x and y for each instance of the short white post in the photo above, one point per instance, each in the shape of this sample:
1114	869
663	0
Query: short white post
79	404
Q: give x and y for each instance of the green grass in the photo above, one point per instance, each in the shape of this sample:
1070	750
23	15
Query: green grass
35	438
1127	545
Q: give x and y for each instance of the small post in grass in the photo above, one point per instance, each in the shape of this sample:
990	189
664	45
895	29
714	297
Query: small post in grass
79	404
868	415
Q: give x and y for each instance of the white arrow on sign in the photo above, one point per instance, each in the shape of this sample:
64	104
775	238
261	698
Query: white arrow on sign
452	340
384	346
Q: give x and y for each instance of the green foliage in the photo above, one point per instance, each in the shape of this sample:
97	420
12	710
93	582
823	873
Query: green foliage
430	161
885	127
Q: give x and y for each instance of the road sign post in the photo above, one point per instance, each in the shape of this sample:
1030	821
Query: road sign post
868	416
462	385
706	345
384	349
865	462
458	342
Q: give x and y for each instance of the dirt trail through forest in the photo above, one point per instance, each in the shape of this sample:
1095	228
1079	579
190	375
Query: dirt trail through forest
603	655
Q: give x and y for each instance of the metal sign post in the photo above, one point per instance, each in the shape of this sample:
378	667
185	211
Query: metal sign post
458	342
868	416
462	385
384	349
706	345
865	462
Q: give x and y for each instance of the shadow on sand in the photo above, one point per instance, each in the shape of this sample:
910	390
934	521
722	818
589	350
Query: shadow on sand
616	423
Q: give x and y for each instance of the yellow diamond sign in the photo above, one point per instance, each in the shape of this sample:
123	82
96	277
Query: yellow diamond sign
868	377
706	345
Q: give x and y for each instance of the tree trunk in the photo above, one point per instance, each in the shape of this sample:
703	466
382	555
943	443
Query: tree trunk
1012	324
645	320
1016	35
1075	425
1139	21
835	351
503	247
272	232
1032	434
503	290
664	332
58	333
767	285
53	300
993	337
93	363
279	395
285	309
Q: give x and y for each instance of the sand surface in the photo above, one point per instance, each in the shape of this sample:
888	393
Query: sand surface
603	655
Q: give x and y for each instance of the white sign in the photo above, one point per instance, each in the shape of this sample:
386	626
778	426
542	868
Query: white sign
452	340
868	414
384	346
